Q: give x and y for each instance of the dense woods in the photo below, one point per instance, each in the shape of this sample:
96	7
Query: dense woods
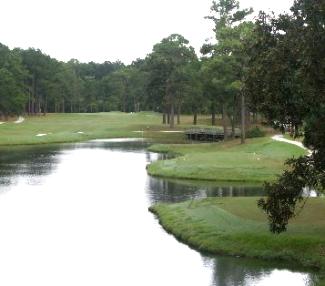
34	83
172	79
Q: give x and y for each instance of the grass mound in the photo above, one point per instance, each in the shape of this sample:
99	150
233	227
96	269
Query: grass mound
235	226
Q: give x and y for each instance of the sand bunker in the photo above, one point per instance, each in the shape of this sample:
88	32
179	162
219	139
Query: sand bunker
19	120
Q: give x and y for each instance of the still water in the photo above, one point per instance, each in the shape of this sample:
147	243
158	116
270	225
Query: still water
77	215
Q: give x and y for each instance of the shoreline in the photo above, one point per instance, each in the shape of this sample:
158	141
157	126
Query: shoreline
228	234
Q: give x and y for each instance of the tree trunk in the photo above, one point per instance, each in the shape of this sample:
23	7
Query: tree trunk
63	106
213	114
34	94
195	118
247	117
243	120
179	114
296	131
168	118
29	103
224	122
45	106
33	106
164	118
172	115
233	131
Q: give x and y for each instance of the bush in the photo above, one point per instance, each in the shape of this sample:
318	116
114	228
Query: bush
255	132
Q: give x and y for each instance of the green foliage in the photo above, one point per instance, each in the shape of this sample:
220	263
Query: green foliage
285	81
168	79
12	98
224	69
284	195
255	133
12	76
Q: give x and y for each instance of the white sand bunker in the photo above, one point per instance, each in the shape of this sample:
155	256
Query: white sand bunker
2	123
19	120
43	134
81	132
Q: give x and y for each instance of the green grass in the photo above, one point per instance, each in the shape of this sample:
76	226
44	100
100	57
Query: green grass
65	128
257	161
235	226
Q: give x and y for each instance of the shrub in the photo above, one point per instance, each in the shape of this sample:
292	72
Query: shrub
255	132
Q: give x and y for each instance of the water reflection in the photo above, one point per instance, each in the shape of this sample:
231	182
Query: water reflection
250	272
30	162
77	215
162	190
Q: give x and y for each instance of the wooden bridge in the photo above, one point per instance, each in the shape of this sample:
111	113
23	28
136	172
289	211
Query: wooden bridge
207	134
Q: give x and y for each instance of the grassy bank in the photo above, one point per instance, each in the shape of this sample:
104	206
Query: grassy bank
80	127
235	226
257	161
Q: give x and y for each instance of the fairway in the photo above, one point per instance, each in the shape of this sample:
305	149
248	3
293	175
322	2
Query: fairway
59	128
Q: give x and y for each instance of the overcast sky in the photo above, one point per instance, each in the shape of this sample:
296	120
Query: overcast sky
108	30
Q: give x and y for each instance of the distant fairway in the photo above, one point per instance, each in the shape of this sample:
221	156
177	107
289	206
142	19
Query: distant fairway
59	128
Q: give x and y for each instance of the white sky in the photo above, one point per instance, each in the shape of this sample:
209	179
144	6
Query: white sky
100	30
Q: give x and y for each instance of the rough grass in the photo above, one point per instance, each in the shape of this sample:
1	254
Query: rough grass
259	160
65	127
235	226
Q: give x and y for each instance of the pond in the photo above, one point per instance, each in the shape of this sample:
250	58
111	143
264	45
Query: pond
78	215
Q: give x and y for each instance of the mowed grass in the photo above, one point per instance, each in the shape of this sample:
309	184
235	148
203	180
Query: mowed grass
259	160
235	226
65	127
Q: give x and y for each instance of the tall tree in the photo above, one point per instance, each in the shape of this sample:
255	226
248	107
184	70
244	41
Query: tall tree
12	82
286	81
227	57
164	63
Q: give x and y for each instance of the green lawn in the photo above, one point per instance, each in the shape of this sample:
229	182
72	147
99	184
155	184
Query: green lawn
65	127
235	226
259	160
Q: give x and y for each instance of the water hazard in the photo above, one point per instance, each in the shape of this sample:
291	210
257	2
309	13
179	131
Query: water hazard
77	215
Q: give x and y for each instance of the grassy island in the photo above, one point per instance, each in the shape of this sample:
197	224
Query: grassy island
257	161
235	226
